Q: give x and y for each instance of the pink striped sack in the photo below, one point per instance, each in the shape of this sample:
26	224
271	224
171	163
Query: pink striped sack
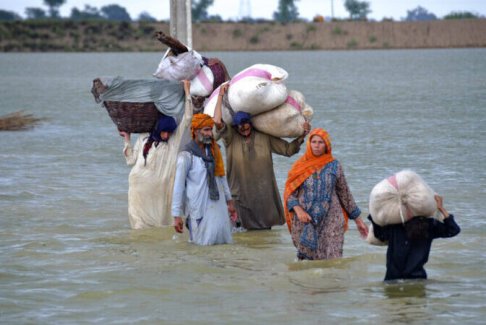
257	89
286	120
401	197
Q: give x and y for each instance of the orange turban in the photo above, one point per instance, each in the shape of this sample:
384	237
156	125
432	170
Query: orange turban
200	121
304	167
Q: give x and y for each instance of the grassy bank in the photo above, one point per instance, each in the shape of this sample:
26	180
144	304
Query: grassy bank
103	36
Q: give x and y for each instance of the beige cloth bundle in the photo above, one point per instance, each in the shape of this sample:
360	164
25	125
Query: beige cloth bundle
286	120
401	197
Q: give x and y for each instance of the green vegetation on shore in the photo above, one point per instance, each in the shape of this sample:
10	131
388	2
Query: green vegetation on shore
102	36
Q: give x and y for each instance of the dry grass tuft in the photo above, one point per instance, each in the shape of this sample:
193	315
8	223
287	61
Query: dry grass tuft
18	121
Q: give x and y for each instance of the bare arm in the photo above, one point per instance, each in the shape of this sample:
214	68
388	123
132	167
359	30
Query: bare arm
218	110
126	138
449	228
130	152
440	205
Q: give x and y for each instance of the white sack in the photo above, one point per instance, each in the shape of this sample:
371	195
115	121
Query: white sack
276	73
406	192
372	240
202	83
257	89
184	66
286	120
210	106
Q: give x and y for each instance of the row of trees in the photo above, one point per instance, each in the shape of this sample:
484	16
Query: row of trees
109	12
286	12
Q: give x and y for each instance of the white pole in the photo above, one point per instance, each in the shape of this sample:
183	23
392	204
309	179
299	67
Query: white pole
181	21
332	9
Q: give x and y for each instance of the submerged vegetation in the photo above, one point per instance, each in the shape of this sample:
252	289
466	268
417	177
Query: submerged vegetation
18	121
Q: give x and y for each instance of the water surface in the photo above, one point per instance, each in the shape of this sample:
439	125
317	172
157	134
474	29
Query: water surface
68	256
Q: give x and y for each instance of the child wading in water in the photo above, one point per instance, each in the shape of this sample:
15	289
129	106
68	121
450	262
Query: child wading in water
409	243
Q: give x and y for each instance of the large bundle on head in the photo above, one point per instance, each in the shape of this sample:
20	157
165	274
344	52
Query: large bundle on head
401	197
181	63
258	89
213	73
205	74
286	120
184	66
135	105
254	90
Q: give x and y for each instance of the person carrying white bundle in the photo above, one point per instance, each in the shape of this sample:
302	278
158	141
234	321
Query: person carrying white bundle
250	167
408	229
286	120
409	244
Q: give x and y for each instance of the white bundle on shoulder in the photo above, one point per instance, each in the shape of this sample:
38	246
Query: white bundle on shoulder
184	66
286	120
257	89
401	197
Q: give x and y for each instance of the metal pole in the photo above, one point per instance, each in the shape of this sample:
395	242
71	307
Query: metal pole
181	21
332	9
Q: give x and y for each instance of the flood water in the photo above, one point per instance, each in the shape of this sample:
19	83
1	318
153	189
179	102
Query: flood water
68	255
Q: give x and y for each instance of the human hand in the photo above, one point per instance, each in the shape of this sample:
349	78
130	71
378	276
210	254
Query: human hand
440	205
179	225
232	211
307	128
187	86
362	228
302	215
223	88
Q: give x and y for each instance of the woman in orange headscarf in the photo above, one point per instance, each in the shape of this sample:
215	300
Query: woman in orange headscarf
318	202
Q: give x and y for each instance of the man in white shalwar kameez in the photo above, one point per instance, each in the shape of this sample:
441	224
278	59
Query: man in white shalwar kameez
201	191
154	159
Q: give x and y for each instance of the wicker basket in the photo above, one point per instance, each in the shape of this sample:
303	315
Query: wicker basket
133	117
128	117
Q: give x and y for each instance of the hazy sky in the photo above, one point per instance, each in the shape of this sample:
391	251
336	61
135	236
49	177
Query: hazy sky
228	9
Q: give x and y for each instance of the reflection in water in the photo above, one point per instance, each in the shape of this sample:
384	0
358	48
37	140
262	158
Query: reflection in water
406	302
405	289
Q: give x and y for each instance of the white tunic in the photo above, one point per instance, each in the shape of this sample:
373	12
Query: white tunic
150	185
209	221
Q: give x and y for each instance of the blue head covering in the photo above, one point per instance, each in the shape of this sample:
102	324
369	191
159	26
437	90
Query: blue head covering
241	118
164	123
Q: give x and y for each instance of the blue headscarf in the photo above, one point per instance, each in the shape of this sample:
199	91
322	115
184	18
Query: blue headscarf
241	118
164	123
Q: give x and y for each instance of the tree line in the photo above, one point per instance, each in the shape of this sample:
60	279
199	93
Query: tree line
286	11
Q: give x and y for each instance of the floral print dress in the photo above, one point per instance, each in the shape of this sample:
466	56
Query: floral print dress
323	196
